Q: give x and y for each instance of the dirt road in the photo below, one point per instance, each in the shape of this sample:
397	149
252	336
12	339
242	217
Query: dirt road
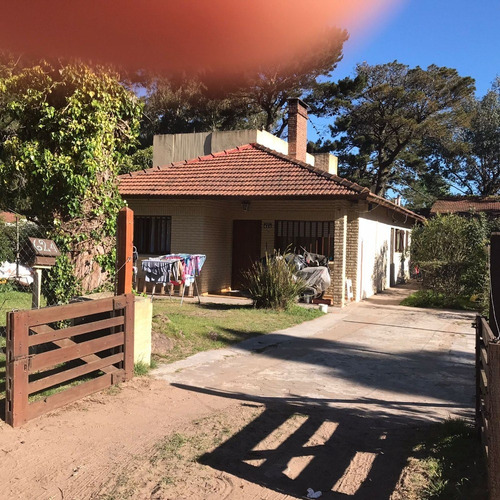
331	405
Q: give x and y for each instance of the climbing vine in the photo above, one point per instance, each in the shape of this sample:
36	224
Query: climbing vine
63	131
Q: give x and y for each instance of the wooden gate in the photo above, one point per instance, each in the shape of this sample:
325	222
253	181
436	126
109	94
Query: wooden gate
488	400
60	354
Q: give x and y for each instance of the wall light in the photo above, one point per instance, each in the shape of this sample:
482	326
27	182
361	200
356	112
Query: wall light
245	205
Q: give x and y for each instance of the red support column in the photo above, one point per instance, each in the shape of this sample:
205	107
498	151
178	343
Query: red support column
124	251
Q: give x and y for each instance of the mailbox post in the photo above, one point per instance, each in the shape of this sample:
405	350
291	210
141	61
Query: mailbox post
44	253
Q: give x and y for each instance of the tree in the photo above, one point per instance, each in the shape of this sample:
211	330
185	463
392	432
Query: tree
451	253
256	100
64	131
384	113
472	159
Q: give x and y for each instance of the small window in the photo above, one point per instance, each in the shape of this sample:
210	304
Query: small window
399	241
297	236
152	235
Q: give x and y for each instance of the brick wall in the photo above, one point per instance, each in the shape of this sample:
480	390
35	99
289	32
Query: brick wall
205	226
339	263
297	129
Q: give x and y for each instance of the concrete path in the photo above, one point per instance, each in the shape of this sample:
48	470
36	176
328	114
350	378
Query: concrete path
375	370
375	355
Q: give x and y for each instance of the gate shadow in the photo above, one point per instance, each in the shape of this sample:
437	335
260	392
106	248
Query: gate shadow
300	443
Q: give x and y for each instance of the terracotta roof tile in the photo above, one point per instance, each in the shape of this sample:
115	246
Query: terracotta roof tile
8	217
465	205
247	171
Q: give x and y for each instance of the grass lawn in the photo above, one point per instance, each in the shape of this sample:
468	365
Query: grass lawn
433	300
447	464
9	300
192	328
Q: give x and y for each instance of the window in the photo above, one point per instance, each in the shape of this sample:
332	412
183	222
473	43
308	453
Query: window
313	236
152	234
399	240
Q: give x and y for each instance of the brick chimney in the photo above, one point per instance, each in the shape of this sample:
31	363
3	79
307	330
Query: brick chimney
297	129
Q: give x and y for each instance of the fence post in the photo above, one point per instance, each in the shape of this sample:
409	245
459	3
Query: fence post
17	366
495	283
124	251
493	410
478	373
128	364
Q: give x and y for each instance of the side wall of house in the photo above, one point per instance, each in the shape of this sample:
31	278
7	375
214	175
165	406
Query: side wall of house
378	263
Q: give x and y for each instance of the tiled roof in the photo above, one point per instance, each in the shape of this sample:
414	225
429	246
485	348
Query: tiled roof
249	171
465	205
8	217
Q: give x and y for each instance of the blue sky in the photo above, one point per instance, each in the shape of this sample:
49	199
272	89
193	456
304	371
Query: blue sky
455	33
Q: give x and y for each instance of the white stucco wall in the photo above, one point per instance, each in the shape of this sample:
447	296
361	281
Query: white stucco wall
374	257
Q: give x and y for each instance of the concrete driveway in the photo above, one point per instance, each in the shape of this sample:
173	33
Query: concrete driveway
374	372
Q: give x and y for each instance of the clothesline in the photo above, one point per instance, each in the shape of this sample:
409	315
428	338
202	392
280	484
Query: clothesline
176	269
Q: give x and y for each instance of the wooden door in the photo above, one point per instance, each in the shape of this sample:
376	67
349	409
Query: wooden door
246	248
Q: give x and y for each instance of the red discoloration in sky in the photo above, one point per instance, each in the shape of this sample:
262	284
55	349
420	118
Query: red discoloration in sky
171	35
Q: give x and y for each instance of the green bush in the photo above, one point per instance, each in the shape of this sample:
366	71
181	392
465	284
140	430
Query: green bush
272	284
7	243
451	253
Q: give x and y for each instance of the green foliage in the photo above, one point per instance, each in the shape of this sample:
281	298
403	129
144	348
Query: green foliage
431	299
272	284
249	101
7	244
141	369
451	253
472	161
64	131
383	115
60	283
140	160
451	461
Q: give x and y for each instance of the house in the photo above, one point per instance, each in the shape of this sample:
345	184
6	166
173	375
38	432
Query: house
236	195
467	205
8	217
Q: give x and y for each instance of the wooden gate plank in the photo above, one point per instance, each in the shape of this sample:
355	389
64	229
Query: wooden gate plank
17	369
44	333
493	417
20	363
72	311
64	376
487	334
68	396
51	358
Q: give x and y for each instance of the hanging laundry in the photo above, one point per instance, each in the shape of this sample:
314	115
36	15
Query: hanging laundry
178	269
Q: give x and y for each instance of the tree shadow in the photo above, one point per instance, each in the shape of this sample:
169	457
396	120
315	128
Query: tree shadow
379	276
216	306
342	451
444	375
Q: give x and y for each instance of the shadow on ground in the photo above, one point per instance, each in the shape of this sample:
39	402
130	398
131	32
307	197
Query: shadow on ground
443	375
341	451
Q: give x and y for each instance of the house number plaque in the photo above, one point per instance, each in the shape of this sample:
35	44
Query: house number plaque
45	248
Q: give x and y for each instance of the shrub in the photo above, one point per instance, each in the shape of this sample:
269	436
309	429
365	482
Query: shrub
451	253
7	243
272	284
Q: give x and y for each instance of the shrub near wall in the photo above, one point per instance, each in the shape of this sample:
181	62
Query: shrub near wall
272	284
451	253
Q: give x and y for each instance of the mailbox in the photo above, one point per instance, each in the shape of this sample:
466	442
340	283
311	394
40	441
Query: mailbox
44	252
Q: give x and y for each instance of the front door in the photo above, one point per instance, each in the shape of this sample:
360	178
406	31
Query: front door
246	248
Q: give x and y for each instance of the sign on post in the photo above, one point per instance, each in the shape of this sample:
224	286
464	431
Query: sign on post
44	257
